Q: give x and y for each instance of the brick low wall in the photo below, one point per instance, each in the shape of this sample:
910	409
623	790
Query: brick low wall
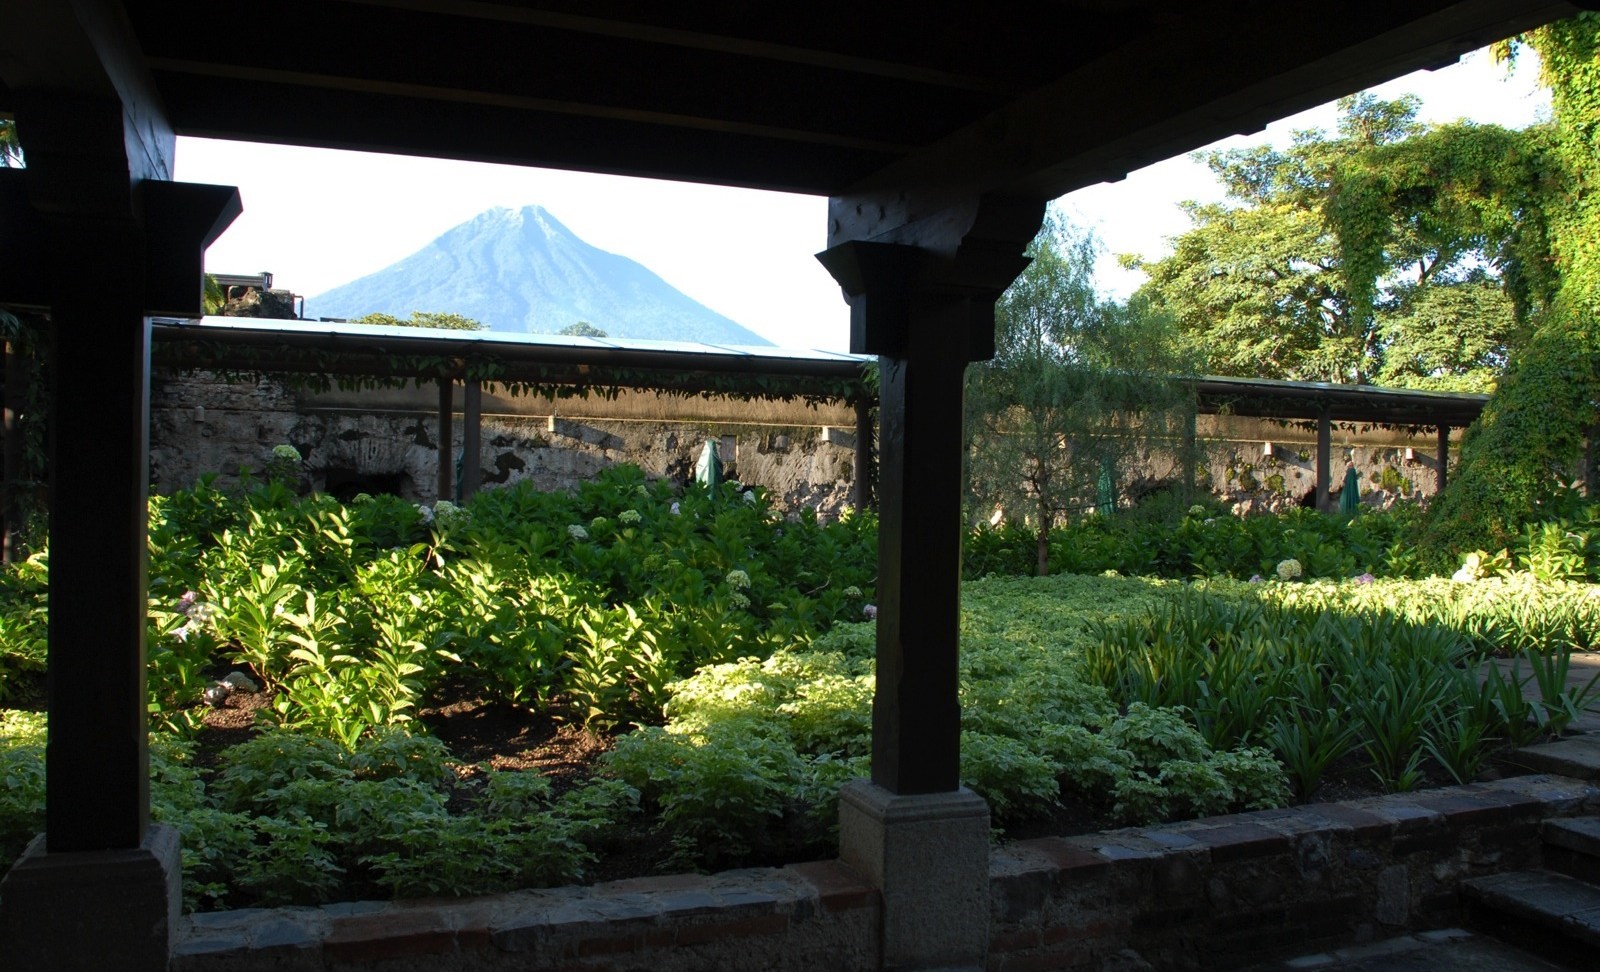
1214	893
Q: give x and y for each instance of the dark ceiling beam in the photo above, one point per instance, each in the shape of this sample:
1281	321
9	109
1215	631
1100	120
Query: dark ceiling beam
82	52
543	106
297	115
702	41
1155	99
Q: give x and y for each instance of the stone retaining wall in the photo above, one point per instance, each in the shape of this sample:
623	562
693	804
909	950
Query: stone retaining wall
1206	894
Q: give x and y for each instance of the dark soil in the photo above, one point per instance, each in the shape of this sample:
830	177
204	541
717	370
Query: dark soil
482	732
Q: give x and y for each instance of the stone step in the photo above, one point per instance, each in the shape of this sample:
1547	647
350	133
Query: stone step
1551	914
1577	757
1572	847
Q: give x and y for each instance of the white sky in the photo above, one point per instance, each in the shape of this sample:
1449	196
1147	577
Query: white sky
317	218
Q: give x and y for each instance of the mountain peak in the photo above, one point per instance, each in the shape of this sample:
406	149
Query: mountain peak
523	270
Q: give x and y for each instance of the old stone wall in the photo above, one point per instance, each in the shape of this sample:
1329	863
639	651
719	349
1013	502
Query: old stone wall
386	441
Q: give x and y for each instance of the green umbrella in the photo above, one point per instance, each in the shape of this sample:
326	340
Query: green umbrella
1106	487
708	471
1350	495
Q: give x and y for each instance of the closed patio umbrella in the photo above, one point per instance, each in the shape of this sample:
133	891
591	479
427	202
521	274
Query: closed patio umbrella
1350	495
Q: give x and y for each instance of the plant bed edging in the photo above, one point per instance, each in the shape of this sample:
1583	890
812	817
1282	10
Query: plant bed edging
1213	893
1223	892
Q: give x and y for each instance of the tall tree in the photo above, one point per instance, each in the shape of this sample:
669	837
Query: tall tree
1075	386
1340	257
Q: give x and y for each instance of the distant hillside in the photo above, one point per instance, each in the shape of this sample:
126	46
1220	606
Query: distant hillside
521	270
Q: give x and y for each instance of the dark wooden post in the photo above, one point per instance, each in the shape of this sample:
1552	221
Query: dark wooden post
471	438
97	782
925	310
1324	457
1444	457
861	493
447	465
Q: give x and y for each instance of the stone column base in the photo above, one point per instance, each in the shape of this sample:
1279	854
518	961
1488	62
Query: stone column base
928	854
97	911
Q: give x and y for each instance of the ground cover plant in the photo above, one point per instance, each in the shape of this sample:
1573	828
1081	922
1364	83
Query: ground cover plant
706	666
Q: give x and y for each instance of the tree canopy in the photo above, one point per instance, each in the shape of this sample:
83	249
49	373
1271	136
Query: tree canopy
1075	387
439	319
1379	253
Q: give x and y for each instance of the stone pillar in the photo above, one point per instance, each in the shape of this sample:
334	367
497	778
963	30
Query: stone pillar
471	438
1324	458
447	461
926	309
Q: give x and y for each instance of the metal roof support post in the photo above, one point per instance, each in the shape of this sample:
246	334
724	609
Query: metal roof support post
1444	458
447	465
864	469
1324	457
471	437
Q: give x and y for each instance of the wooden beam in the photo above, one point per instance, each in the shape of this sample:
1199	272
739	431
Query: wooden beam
1148	101
701	40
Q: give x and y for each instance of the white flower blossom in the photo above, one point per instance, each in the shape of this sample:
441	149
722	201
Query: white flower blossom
750	496
739	600
1466	575
629	516
852	592
675	510
1289	569
577	532
738	579
286	452
869	611
424	514
1197	510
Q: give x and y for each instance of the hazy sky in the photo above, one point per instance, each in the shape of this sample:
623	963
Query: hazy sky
317	219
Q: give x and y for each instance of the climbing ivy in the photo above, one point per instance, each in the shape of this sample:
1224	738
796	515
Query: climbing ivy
1527	443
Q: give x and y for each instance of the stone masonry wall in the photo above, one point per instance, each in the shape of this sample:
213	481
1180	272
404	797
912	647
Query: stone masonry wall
200	426
1217	893
385	440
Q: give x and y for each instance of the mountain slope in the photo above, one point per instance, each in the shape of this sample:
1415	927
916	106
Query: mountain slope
522	270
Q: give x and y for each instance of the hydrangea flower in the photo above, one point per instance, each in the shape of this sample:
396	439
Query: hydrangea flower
675	509
449	514
869	611
750	496
739	600
598	523
852	592
1465	575
1364	578
360	498
1255	579
1289	569
738	579
424	514
1197	510
577	532
629	516
286	452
